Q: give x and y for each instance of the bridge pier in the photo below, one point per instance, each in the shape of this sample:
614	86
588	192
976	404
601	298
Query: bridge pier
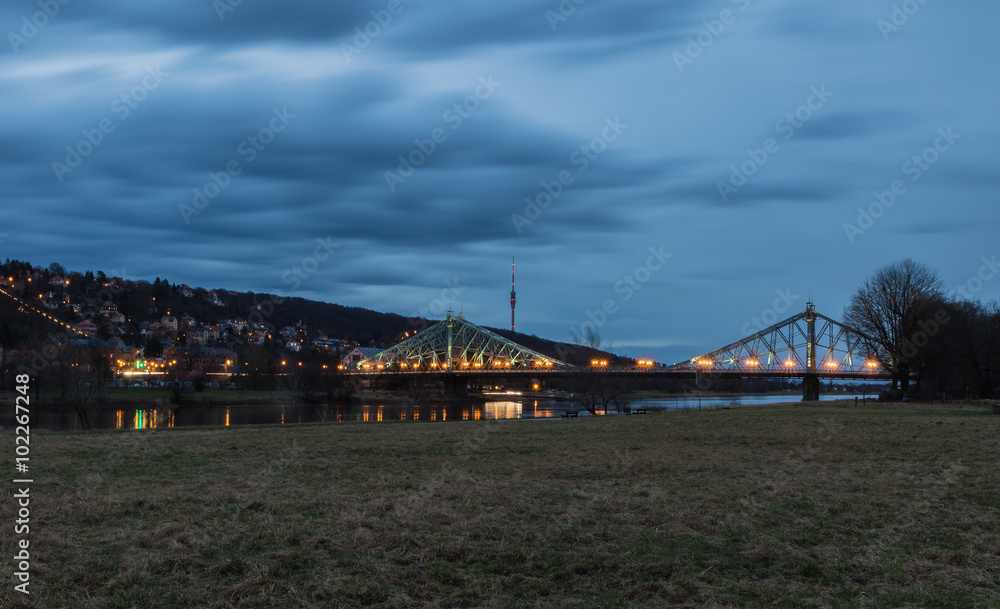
810	388
456	386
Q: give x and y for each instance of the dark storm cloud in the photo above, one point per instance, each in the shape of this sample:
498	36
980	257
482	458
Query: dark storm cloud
207	22
630	25
854	125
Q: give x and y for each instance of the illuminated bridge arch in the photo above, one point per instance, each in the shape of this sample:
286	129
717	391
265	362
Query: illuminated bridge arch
456	344
806	344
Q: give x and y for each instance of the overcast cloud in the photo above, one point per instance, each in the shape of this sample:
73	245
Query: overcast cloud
212	143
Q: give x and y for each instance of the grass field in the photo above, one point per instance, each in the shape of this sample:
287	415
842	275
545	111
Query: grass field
783	506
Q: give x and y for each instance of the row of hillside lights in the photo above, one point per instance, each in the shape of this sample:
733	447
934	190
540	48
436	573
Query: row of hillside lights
788	363
44	314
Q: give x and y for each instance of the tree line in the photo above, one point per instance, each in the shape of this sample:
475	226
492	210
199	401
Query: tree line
942	342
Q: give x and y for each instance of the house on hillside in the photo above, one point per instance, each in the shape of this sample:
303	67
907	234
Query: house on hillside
357	354
327	345
87	327
169	323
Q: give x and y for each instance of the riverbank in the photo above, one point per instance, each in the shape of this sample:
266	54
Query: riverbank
770	506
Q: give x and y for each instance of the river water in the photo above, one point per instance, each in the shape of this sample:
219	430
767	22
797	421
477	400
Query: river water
256	414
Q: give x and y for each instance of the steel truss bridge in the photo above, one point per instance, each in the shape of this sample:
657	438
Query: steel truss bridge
808	346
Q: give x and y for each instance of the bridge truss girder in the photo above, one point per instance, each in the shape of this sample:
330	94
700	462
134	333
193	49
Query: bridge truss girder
808	343
457	344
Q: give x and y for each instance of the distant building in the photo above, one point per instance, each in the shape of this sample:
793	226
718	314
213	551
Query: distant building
87	327
327	345
110	311
359	353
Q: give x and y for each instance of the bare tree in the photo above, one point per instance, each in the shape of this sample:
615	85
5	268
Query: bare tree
621	392
889	309
83	376
590	338
595	391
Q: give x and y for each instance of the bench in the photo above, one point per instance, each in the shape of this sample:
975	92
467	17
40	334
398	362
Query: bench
570	413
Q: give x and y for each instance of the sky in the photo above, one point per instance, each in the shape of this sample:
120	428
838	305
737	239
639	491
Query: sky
675	173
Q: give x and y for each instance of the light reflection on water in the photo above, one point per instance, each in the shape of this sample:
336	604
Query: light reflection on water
320	413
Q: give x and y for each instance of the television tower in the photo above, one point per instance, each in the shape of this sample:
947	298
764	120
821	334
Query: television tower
513	295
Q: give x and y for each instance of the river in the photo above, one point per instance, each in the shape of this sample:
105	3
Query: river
257	414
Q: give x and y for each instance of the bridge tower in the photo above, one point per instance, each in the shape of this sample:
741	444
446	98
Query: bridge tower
810	382
513	295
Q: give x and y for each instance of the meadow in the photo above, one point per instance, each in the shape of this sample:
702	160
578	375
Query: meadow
805	505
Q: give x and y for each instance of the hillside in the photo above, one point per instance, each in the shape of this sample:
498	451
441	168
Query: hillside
71	297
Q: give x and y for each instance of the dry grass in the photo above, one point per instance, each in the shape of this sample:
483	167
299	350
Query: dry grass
785	506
